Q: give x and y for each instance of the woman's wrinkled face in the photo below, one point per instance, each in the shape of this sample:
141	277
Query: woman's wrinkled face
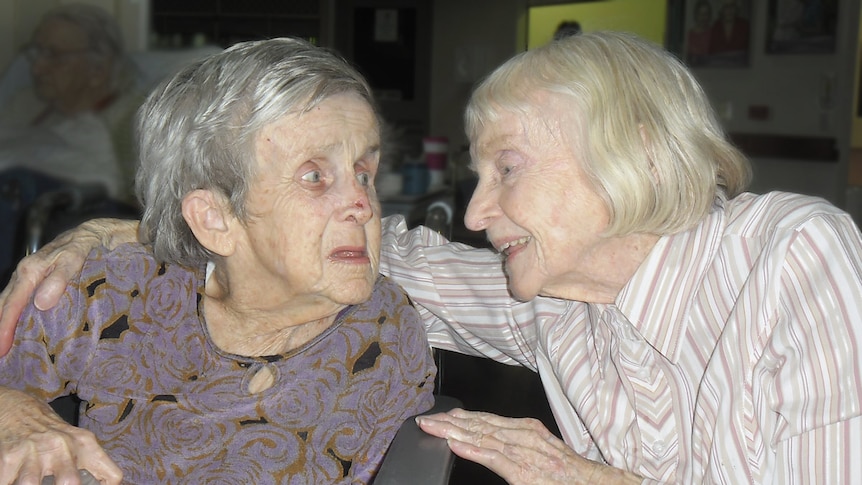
535	202
313	232
61	72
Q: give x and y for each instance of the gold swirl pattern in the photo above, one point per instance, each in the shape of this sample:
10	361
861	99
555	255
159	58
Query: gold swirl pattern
169	407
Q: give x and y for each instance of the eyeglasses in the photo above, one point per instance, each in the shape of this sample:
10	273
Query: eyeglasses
37	53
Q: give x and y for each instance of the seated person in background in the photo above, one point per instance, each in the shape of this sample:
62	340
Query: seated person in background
249	338
74	122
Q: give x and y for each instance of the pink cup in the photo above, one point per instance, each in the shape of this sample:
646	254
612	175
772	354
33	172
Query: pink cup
436	150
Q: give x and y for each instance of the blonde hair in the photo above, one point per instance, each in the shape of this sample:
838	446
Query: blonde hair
645	131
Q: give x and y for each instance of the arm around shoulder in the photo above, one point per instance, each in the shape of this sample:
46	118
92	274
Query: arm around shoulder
45	274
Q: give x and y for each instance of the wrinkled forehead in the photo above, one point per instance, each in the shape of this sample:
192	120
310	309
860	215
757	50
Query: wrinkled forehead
522	119
343	121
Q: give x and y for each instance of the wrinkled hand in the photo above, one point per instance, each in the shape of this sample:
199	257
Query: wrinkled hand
47	272
519	450
35	442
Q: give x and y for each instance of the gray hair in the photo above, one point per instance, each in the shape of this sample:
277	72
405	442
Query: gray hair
646	134
102	30
197	130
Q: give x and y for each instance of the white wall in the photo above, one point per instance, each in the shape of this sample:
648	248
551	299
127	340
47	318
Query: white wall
793	87
469	39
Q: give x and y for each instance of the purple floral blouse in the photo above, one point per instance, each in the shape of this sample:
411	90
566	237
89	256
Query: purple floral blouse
169	407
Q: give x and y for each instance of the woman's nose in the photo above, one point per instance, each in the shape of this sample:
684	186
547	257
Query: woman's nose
480	210
359	208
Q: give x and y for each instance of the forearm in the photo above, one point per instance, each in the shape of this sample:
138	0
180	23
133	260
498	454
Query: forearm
43	276
461	294
110	232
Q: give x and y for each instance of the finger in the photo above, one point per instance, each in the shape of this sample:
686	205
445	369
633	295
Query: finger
460	429
24	466
59	262
490	458
439	425
497	420
63	475
498	423
48	293
9	469
100	465
15	298
7	335
475	421
520	465
495	432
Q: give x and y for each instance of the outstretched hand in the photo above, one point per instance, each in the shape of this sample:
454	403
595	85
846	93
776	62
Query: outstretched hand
519	450
45	274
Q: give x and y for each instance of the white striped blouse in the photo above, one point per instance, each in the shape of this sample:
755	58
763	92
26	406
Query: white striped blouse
732	356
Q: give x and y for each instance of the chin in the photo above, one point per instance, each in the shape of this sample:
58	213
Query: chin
521	293
519	288
354	293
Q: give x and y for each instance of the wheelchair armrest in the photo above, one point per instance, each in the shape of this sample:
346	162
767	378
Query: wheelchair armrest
416	457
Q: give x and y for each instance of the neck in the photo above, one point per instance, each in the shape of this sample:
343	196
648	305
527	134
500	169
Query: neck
246	323
606	272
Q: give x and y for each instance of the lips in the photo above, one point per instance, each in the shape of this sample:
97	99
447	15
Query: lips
354	254
349	254
513	246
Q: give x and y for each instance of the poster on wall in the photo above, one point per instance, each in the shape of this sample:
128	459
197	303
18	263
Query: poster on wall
801	26
719	33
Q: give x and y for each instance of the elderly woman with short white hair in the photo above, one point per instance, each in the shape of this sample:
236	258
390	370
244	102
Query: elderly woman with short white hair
249	338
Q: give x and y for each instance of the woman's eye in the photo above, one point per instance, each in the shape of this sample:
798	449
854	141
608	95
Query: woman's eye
506	164
313	177
505	169
364	178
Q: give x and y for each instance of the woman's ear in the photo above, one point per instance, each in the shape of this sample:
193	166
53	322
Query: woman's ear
210	219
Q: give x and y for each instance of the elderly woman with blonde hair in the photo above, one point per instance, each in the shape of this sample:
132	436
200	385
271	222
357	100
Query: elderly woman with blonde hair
249	338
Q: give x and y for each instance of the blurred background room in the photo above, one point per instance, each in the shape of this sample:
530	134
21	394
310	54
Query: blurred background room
783	76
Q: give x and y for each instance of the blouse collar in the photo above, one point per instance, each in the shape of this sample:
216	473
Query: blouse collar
658	298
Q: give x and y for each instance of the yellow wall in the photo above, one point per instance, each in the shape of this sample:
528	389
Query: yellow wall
643	17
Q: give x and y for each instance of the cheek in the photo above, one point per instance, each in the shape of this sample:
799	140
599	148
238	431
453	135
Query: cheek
535	204
372	231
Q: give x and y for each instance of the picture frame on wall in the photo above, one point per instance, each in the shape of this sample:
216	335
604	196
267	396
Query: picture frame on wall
801	26
718	33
